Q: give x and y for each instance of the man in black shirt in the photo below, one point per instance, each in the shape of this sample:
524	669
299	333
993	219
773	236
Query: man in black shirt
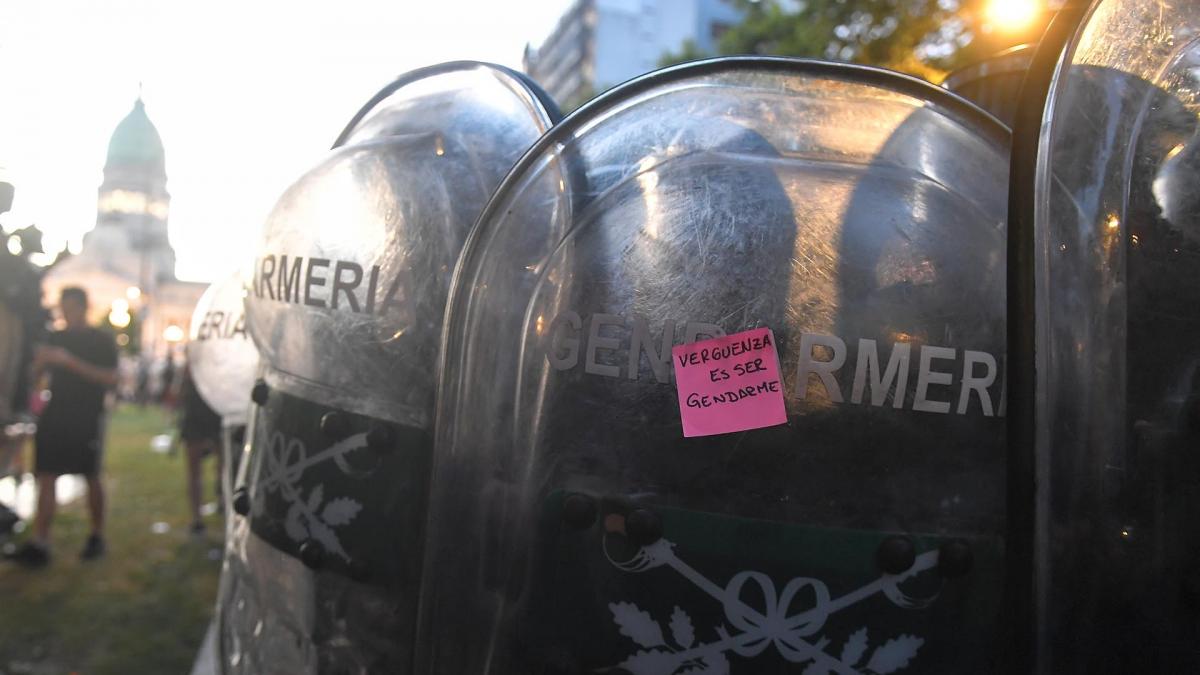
82	364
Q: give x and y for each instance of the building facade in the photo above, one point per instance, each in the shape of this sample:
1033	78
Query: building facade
600	43
133	203
127	264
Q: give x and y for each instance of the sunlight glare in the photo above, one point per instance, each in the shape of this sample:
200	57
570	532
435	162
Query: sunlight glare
1012	15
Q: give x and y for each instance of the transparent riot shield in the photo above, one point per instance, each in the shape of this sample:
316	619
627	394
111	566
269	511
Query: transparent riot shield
994	83
1118	293
345	302
859	215
223	363
222	359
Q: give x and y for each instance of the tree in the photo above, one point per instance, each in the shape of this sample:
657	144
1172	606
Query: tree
688	51
926	38
579	98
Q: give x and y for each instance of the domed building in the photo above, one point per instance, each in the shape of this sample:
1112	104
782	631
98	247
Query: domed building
131	218
127	260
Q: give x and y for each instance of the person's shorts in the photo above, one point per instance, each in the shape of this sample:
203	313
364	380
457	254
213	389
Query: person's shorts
199	423
70	445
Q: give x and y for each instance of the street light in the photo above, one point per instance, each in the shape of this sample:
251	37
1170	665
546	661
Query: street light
119	319
173	334
119	316
1010	16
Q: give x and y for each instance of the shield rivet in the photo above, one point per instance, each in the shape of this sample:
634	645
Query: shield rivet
381	437
954	558
579	511
360	571
260	393
643	527
312	555
896	554
241	501
335	425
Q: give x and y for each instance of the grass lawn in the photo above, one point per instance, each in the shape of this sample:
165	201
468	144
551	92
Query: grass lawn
141	609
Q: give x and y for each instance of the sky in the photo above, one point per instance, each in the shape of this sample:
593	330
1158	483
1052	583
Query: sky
246	95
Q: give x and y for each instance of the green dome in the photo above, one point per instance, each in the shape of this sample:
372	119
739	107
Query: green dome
136	143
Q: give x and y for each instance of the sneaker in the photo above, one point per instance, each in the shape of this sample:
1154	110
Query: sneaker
93	549
30	555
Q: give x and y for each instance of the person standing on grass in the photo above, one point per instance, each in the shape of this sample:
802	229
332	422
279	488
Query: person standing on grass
82	364
200	430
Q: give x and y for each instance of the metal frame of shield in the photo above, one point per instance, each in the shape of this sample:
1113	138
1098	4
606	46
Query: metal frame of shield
859	214
995	82
345	302
1020	615
1117	411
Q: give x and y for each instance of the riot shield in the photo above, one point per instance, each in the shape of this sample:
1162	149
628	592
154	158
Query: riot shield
994	83
345	302
223	363
221	357
1118	308
859	215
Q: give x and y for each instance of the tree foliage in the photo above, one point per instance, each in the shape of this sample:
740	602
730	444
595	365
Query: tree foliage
922	37
688	51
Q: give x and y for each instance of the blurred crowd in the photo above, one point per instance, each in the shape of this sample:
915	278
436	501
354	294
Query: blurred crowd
59	378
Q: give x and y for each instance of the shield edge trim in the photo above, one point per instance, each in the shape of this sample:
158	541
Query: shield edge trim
551	116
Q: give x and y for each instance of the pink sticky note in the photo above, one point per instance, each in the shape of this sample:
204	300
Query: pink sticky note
729	384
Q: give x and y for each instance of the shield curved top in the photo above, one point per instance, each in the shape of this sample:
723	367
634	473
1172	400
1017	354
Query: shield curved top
350	276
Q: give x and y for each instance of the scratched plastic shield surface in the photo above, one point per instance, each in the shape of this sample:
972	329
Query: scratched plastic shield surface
222	359
345	302
1118	226
859	214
